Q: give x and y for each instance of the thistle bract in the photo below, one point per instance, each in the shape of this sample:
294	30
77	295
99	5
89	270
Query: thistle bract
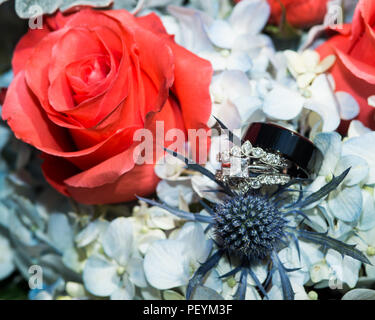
254	227
249	226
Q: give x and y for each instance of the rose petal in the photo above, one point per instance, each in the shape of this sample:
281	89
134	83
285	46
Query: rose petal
28	121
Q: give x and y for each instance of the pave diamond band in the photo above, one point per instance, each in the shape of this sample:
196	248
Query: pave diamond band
269	155
246	167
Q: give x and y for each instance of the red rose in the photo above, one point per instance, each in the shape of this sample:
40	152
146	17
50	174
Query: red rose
299	13
354	71
86	82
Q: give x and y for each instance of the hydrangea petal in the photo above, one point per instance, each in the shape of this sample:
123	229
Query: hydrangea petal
367	220
363	147
197	246
170	191
282	103
324	103
330	146
125	293
166	264
345	268
357	128
358	172
136	272
90	233
239	61
220	33
100	276
250	17
349	107
144	241
346	204
60	231
118	240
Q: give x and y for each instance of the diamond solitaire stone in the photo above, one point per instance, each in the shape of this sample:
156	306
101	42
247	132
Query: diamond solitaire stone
246	148
257	152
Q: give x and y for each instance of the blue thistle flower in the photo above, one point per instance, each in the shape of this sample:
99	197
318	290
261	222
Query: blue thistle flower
249	226
255	227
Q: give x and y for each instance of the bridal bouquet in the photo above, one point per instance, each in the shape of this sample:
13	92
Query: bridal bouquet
201	149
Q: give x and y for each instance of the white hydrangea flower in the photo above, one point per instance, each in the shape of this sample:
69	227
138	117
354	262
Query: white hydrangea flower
334	270
330	105
302	260
350	208
318	89
356	129
153	217
171	263
365	241
173	192
345	203
230	44
238	100
170	168
149	225
230	284
116	271
306	66
363	146
234	99
344	269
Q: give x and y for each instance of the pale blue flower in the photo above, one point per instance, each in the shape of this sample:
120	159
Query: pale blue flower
170	263
117	271
345	203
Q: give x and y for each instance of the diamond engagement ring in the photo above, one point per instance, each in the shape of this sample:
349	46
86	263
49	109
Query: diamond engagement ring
269	155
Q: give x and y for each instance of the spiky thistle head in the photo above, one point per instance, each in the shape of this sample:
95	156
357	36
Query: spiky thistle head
251	226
